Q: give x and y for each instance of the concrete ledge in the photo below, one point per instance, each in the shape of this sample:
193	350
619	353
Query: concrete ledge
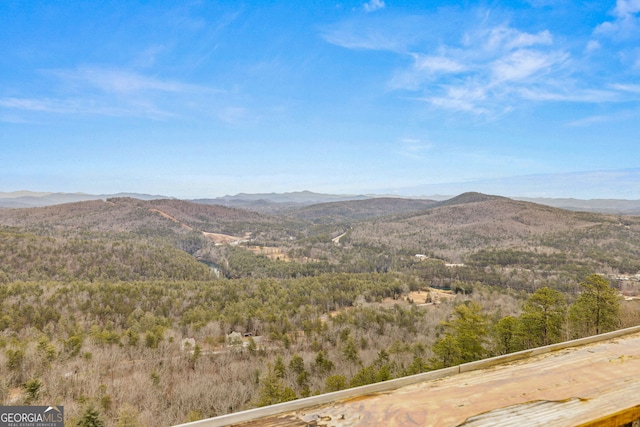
484	363
323	399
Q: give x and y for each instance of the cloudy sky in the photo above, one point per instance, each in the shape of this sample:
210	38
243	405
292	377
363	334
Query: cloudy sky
207	98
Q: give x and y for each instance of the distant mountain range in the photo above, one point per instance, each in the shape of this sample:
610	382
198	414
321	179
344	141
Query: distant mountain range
352	235
298	197
619	206
31	199
599	184
280	202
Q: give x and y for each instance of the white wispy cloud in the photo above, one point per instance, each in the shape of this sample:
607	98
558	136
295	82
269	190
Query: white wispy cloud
591	120
31	104
632	88
118	81
79	106
505	37
109	92
569	95
524	63
482	65
619	116
626	7
471	98
592	46
48	105
426	68
352	36
391	33
626	22
437	64
414	148
485	73
619	37
373	5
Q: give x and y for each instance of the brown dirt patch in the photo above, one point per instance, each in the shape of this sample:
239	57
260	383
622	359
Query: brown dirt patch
221	239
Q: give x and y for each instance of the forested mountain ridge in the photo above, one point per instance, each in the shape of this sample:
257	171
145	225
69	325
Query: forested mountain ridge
275	203
129	215
348	236
474	223
356	210
470	197
458	232
27	256
123	309
120	238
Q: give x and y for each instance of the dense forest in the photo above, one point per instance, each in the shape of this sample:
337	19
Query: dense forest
135	313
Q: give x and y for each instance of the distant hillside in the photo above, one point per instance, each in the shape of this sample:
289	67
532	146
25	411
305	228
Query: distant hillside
28	257
125	214
375	234
469	223
30	199
346	211
119	238
470	197
277	203
297	197
609	206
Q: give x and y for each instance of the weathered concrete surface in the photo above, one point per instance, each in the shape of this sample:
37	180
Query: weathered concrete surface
573	386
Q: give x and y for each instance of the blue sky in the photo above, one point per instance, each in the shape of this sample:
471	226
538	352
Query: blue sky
207	98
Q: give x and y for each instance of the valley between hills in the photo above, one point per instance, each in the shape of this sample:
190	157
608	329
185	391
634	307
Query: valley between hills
123	308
